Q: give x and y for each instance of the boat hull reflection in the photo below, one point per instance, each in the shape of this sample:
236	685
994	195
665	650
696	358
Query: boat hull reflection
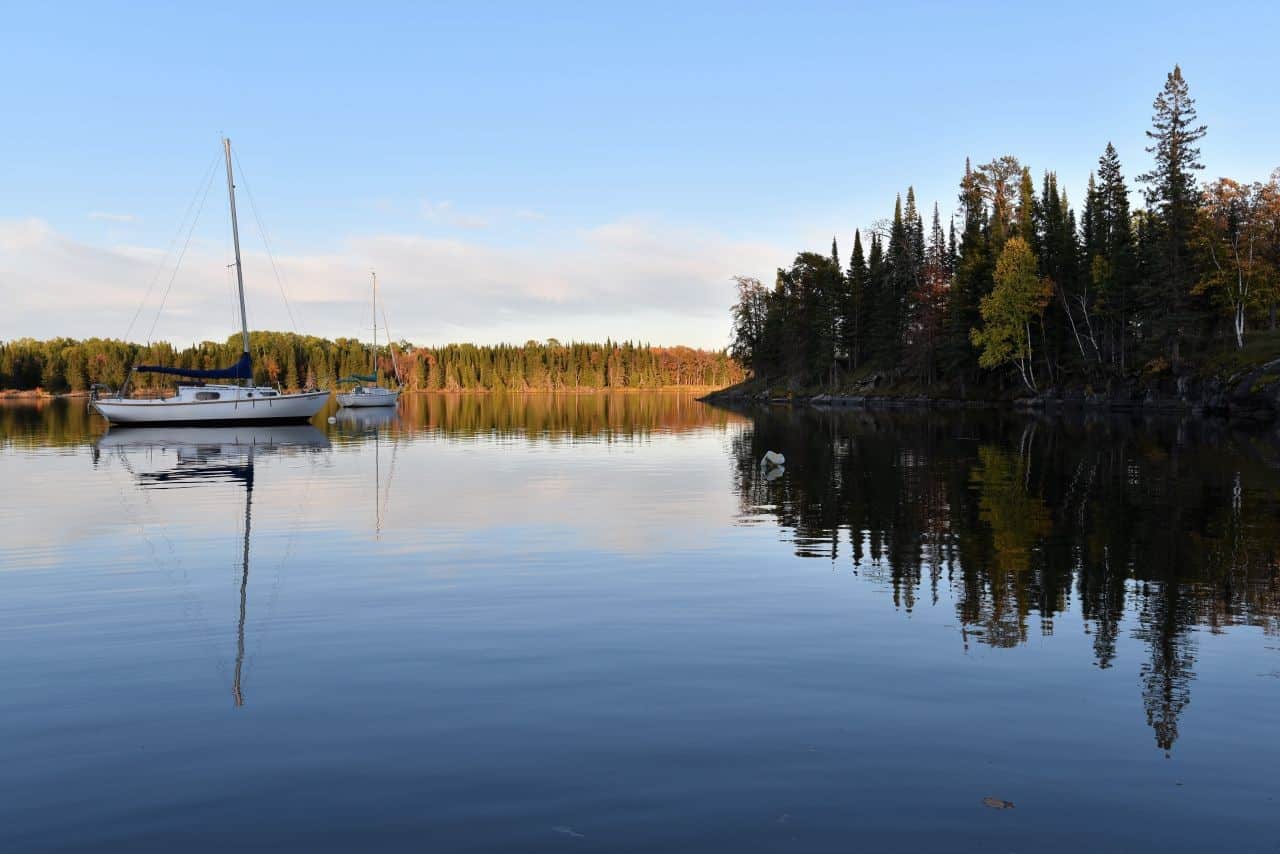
237	439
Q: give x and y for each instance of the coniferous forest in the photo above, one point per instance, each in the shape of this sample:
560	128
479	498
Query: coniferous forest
295	361
1026	290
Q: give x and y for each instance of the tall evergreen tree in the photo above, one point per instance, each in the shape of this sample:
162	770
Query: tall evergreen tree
1110	260
1026	213
852	318
1173	197
929	303
889	322
971	282
878	323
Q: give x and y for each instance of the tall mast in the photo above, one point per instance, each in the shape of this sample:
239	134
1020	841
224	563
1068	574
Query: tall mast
235	238
374	355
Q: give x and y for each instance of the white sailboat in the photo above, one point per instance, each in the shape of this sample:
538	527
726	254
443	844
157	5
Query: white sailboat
214	403
371	394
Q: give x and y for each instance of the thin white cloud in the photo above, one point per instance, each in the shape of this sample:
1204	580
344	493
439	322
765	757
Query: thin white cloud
624	280
445	213
112	217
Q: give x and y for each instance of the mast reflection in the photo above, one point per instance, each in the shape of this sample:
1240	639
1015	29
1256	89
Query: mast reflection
212	455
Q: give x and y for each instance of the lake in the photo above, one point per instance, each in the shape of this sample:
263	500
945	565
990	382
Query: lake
595	623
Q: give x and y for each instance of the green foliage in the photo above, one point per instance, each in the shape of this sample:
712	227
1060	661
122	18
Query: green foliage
66	365
1017	300
1083	300
1173	199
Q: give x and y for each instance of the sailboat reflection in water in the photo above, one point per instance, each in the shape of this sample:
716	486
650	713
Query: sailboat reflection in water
363	423
204	456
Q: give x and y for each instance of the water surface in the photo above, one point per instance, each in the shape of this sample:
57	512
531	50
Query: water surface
594	623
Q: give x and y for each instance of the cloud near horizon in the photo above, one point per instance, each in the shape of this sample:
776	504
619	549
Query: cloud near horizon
625	280
112	217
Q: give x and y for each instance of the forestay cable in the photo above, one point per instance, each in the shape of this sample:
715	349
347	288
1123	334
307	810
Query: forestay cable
181	255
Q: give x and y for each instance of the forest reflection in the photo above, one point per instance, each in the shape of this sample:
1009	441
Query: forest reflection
1156	528
47	422
602	416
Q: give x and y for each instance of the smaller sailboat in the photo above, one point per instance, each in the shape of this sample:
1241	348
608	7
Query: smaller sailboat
367	392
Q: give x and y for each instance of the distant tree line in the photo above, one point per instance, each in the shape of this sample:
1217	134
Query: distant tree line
297	361
1020	284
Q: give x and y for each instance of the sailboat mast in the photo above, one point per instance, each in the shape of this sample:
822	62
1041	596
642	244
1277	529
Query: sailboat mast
374	356
235	239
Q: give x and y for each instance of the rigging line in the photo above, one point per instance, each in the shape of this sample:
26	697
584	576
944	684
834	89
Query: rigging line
192	609
165	258
386	493
181	255
231	289
266	242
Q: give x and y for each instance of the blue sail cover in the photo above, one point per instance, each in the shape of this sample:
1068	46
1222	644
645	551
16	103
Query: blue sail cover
241	370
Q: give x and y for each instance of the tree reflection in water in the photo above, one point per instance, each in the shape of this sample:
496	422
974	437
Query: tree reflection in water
1155	527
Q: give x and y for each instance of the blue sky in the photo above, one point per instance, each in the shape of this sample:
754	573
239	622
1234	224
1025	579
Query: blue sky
534	170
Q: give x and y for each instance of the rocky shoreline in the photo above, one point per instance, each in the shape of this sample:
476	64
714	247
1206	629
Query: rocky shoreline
1252	396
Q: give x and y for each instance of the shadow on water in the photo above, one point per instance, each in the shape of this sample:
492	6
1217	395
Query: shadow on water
1160	528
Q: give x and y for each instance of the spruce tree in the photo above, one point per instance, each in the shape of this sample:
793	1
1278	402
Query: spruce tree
1111	263
971	281
900	261
878	324
852	318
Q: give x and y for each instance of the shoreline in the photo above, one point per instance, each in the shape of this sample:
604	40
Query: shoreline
36	395
1252	396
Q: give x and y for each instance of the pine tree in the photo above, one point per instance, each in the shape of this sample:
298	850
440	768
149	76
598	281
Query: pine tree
1173	197
996	182
971	280
1026	213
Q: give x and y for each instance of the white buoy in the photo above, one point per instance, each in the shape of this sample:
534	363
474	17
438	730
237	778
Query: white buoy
333	420
772	458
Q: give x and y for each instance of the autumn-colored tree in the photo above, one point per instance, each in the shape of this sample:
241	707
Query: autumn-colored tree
1017	300
749	316
1232	230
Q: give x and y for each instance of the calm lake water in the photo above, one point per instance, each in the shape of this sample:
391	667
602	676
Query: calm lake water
593	623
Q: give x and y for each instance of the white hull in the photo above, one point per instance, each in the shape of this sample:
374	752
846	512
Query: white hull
369	397
233	405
